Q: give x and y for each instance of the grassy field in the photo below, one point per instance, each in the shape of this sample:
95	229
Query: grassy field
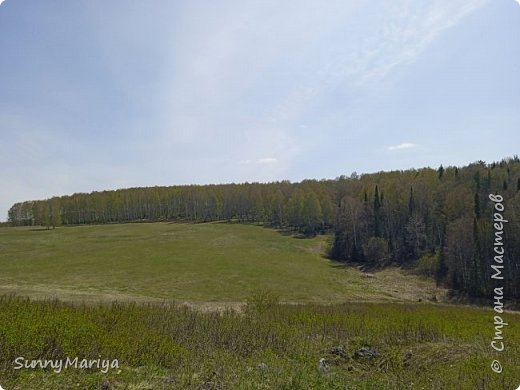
197	263
128	292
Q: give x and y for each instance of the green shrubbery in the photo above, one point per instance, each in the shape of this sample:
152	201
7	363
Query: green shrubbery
269	345
428	265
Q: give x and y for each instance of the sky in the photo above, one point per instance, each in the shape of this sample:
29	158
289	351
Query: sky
98	95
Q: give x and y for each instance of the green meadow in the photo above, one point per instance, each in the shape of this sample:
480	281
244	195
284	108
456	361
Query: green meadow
196	263
230	306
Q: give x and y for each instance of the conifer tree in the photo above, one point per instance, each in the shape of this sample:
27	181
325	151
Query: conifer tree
477	205
377	216
440	172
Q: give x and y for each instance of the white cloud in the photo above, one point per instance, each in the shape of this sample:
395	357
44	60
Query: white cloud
263	160
518	1
266	160
406	29
1	1
239	81
404	145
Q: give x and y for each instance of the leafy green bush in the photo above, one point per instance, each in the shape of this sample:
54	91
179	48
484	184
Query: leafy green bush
428	264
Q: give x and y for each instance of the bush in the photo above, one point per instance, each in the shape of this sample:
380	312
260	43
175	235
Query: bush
428	265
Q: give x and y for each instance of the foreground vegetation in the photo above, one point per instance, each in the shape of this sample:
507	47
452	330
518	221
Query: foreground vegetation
337	328
268	346
211	262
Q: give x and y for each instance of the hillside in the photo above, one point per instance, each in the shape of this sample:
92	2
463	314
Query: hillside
211	262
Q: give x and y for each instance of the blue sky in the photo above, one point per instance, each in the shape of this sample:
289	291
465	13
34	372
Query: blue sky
108	94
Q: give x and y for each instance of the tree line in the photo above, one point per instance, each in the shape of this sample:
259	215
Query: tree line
308	207
436	220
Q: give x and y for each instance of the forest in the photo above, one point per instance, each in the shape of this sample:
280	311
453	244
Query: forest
439	222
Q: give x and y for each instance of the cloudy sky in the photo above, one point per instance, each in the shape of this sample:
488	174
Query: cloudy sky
107	94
